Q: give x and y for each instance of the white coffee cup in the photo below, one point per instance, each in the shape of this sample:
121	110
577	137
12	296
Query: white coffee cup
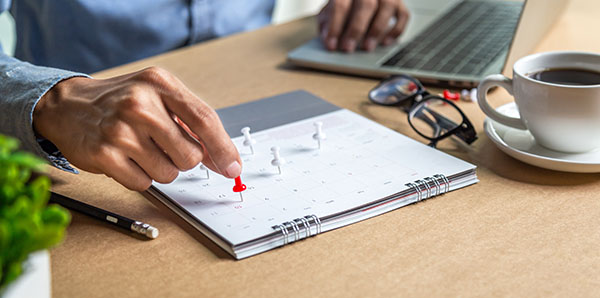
560	117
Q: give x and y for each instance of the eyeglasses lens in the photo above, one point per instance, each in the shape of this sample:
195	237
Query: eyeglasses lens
434	117
393	91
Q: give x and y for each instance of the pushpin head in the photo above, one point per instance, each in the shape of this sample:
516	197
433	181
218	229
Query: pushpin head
473	94
450	95
319	135
277	159
465	95
239	186
248	140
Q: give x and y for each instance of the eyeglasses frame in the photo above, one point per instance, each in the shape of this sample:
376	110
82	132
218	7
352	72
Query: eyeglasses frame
465	130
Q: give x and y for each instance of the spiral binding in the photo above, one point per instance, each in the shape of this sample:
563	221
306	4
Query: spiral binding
430	186
301	227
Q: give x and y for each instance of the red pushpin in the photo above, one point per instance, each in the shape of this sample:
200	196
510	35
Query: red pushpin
239	186
451	96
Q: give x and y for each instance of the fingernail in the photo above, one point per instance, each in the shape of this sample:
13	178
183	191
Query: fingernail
349	46
332	43
233	170
370	44
388	41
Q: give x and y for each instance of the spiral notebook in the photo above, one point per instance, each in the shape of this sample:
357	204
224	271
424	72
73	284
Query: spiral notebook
362	169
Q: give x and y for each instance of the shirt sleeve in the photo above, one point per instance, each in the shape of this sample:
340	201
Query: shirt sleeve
21	87
4	5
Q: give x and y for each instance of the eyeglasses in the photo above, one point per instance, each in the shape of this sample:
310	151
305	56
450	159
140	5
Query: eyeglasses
432	117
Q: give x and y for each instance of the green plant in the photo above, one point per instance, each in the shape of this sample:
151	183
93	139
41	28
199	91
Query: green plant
26	223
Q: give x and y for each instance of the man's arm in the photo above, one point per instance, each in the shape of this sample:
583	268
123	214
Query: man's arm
122	127
125	128
348	25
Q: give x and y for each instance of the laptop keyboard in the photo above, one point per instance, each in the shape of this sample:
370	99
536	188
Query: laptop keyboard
464	41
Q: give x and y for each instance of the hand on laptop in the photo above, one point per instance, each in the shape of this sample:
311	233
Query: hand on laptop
124	127
348	25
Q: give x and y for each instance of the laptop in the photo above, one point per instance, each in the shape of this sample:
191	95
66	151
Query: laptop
453	43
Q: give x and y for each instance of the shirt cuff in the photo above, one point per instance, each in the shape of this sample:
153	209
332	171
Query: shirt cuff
44	147
22	85
54	156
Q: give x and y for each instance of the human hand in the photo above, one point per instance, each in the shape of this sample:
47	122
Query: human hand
345	23
125	128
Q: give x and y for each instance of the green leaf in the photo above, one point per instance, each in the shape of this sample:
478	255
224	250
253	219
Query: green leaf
57	215
27	161
39	191
13	270
27	224
7	144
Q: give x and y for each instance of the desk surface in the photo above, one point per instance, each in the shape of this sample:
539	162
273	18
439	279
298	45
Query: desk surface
521	230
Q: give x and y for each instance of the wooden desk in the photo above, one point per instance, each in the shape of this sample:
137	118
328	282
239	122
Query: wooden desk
521	231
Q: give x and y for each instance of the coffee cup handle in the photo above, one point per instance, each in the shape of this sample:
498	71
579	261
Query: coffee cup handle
482	89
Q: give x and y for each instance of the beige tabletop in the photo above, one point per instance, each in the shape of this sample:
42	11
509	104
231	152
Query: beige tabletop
520	231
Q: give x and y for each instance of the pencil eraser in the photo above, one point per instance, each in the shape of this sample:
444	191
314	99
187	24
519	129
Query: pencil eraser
152	232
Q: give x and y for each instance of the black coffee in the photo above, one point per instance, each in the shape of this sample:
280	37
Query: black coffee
567	76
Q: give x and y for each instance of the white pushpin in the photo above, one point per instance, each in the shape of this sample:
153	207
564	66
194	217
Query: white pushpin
248	140
277	161
465	95
319	135
204	168
474	94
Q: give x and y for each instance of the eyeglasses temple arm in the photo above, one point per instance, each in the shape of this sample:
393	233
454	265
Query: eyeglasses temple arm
467	134
441	120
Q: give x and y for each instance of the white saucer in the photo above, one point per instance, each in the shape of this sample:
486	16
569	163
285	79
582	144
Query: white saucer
521	145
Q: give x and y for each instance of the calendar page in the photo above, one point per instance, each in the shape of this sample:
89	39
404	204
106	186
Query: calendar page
358	162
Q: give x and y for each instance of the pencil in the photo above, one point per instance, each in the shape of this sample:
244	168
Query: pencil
103	215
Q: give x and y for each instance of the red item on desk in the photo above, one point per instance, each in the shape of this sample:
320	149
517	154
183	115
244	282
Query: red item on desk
451	96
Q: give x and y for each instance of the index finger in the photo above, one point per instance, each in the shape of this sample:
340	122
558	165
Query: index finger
362	13
207	161
337	13
402	16
380	23
206	125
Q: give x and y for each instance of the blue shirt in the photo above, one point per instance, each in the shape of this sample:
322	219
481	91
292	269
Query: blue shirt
59	39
